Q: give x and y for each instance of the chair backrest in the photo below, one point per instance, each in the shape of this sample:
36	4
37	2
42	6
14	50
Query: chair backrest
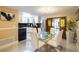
34	30
39	30
59	37
52	30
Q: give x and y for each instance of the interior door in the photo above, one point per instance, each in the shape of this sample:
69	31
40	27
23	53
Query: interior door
48	24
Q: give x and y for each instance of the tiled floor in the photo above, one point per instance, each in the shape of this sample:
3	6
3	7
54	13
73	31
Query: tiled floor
22	46
46	48
25	46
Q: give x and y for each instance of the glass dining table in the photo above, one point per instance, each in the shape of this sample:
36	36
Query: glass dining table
45	37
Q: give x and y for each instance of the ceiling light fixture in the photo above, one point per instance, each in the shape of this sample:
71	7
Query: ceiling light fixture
46	9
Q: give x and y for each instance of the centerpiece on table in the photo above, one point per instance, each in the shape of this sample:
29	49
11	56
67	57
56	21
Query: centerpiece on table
45	35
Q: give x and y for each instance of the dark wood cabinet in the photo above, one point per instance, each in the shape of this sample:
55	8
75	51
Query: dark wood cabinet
21	31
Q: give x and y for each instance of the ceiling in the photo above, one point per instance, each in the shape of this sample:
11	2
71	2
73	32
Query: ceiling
46	10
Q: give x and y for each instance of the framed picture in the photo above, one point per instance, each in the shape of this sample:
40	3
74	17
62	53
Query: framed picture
6	16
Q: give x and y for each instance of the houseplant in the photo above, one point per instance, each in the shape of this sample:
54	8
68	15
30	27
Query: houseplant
71	26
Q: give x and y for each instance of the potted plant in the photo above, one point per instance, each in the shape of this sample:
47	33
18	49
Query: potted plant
71	26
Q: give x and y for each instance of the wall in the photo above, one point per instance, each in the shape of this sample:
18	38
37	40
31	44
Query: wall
68	16
9	30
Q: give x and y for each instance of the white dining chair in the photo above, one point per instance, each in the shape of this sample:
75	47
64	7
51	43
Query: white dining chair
56	41
35	42
39	30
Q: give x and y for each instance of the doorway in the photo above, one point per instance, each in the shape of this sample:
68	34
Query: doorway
56	24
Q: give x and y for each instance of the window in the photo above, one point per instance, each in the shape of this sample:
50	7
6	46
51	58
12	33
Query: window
26	18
